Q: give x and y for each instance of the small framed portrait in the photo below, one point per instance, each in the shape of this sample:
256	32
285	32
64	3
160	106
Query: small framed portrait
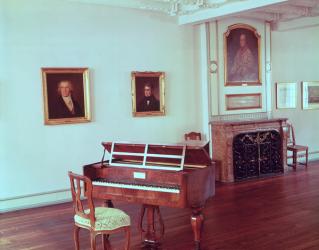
148	93
66	95
310	95
286	95
243	101
242	55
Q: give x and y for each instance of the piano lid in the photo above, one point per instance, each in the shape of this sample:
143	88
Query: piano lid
158	156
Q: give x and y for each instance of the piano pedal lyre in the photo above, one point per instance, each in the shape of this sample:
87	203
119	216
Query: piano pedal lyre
151	236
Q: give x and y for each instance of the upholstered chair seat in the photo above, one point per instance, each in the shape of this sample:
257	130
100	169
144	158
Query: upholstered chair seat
106	219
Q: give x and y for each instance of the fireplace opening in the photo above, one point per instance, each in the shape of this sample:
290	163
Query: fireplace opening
257	154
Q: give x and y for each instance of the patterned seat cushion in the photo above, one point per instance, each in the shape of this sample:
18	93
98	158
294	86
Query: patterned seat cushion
106	219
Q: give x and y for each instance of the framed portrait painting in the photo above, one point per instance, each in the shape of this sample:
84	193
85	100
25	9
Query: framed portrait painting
148	93
242	55
286	95
66	95
310	95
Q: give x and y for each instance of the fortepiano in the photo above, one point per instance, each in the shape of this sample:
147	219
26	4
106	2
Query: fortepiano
174	175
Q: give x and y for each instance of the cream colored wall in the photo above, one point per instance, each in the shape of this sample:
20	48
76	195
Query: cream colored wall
112	42
295	59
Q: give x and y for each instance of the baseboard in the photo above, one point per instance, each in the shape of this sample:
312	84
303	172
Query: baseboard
35	200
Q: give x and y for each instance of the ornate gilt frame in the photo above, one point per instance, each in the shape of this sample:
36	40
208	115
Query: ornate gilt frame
161	76
226	34
86	90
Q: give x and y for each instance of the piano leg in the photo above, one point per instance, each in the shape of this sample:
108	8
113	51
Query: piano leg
197	220
151	238
109	203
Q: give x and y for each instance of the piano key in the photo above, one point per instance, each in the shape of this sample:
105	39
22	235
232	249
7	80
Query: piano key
136	186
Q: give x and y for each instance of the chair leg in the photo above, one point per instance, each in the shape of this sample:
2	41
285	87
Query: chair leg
93	241
127	238
76	237
105	242
294	159
307	158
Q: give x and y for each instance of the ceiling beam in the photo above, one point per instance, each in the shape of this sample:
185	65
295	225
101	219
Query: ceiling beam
225	10
301	23
304	3
287	9
259	15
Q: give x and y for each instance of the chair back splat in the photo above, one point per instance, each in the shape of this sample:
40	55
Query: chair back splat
193	136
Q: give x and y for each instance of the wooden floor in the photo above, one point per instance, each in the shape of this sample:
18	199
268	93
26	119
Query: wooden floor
276	213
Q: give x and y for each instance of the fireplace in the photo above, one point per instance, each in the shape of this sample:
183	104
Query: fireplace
257	154
249	149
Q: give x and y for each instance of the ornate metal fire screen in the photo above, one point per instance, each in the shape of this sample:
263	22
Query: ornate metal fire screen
257	154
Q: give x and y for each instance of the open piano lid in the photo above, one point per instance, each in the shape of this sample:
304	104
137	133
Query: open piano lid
158	156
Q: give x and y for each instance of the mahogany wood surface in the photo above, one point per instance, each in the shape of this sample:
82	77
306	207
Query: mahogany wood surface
279	213
196	136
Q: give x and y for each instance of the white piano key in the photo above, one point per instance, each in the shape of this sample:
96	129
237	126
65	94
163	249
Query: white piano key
137	187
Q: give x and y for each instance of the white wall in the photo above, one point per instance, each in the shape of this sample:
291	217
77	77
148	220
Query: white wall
112	42
295	59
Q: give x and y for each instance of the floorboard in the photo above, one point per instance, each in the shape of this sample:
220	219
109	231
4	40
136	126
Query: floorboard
275	213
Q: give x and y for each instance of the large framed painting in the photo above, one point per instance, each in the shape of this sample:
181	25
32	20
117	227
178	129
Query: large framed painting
286	95
148	93
310	95
242	55
243	101
66	95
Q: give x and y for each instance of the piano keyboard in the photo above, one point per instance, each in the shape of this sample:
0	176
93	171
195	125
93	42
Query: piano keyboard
140	186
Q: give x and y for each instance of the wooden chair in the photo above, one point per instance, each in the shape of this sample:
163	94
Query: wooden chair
193	136
295	149
98	220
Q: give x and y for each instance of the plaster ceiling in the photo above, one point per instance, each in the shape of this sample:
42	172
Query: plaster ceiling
196	11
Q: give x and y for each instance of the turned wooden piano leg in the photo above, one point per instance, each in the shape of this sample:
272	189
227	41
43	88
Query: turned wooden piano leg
197	220
150	236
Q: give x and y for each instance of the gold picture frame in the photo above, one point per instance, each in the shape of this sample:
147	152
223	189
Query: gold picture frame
243	101
310	95
148	93
242	44
66	95
286	95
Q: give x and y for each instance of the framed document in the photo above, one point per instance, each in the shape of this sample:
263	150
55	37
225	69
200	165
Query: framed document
243	101
286	95
310	95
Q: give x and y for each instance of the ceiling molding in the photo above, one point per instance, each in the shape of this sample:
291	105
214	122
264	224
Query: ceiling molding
200	11
225	10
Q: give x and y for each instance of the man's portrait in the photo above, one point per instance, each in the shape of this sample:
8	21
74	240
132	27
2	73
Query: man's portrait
242	55
148	93
66	95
